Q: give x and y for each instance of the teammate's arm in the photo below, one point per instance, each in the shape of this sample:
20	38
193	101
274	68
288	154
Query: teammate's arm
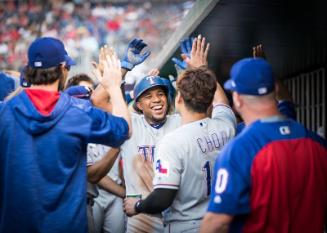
100	168
215	223
159	200
111	186
111	80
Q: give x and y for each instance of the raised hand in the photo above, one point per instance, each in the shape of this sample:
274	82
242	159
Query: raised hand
186	47
135	54
199	53
257	51
112	75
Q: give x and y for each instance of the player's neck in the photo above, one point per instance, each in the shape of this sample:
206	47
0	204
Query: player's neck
47	87
188	116
253	114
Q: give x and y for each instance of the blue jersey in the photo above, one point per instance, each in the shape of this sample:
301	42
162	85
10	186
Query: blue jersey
272	178
43	162
7	85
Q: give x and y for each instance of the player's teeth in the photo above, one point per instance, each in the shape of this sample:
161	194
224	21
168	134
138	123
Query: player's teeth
157	108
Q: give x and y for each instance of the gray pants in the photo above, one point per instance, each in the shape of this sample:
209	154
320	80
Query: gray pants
192	226
90	219
109	216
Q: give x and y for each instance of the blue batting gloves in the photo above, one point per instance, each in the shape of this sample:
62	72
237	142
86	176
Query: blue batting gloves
179	63
186	48
134	55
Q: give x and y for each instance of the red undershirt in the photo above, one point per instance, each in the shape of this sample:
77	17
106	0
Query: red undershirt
44	101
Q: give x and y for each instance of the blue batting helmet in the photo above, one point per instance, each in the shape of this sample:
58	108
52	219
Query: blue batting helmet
147	83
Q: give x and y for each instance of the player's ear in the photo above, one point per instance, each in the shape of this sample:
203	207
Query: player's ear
139	106
237	100
178	98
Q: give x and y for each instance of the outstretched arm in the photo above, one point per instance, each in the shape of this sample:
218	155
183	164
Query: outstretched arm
99	169
111	81
111	186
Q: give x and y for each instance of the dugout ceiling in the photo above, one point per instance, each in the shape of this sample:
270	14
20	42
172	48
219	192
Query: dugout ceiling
293	33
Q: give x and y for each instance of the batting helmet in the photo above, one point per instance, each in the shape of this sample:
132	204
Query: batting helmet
147	83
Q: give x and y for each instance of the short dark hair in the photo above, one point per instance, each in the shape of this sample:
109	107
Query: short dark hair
197	87
76	79
39	76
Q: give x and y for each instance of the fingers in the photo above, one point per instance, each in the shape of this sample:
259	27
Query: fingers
145	55
206	51
154	72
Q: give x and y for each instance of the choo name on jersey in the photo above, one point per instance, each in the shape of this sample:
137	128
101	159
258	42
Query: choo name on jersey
212	142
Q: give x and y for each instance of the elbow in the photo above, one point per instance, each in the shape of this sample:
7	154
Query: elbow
92	176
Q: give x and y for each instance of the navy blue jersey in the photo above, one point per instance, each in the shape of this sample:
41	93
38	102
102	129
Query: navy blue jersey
272	178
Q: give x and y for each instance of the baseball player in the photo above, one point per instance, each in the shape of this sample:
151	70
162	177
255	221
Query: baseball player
108	205
138	153
44	134
184	159
272	176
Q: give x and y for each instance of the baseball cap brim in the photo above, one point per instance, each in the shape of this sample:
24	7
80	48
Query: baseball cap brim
69	61
229	85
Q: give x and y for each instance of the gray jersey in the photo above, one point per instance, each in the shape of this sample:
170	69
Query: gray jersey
143	142
185	159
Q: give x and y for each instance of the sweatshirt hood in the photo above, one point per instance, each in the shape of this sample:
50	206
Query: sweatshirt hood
31	119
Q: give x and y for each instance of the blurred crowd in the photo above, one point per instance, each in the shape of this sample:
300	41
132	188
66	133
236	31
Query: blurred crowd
84	26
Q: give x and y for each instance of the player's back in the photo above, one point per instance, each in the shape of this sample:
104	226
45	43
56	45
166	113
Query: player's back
190	151
288	177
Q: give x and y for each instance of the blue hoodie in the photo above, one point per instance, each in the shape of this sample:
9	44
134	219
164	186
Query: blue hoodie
43	162
7	85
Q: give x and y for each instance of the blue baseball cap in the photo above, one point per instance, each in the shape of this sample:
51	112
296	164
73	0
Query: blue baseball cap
46	52
251	76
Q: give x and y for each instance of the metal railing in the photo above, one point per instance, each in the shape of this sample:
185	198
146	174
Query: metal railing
308	91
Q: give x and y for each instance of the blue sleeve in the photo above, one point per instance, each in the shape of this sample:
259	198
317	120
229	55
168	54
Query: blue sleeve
239	128
287	108
231	186
107	129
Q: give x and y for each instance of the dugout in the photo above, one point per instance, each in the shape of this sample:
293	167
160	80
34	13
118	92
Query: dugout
294	36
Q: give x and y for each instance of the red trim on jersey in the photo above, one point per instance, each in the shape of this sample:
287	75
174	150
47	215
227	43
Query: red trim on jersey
288	187
44	101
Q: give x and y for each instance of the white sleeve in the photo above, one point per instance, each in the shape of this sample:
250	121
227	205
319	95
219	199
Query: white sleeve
224	113
167	166
92	153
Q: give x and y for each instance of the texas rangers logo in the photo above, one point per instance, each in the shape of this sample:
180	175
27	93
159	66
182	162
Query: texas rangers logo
147	151
162	167
150	78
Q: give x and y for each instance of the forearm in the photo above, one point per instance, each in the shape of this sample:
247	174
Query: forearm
99	169
119	107
100	97
220	96
215	223
157	201
111	186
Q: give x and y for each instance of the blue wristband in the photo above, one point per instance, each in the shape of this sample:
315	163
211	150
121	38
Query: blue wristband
128	66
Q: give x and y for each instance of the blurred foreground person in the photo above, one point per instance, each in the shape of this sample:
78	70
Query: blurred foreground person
272	176
44	135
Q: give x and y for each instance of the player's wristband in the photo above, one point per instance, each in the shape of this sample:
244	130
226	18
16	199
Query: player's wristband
137	206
